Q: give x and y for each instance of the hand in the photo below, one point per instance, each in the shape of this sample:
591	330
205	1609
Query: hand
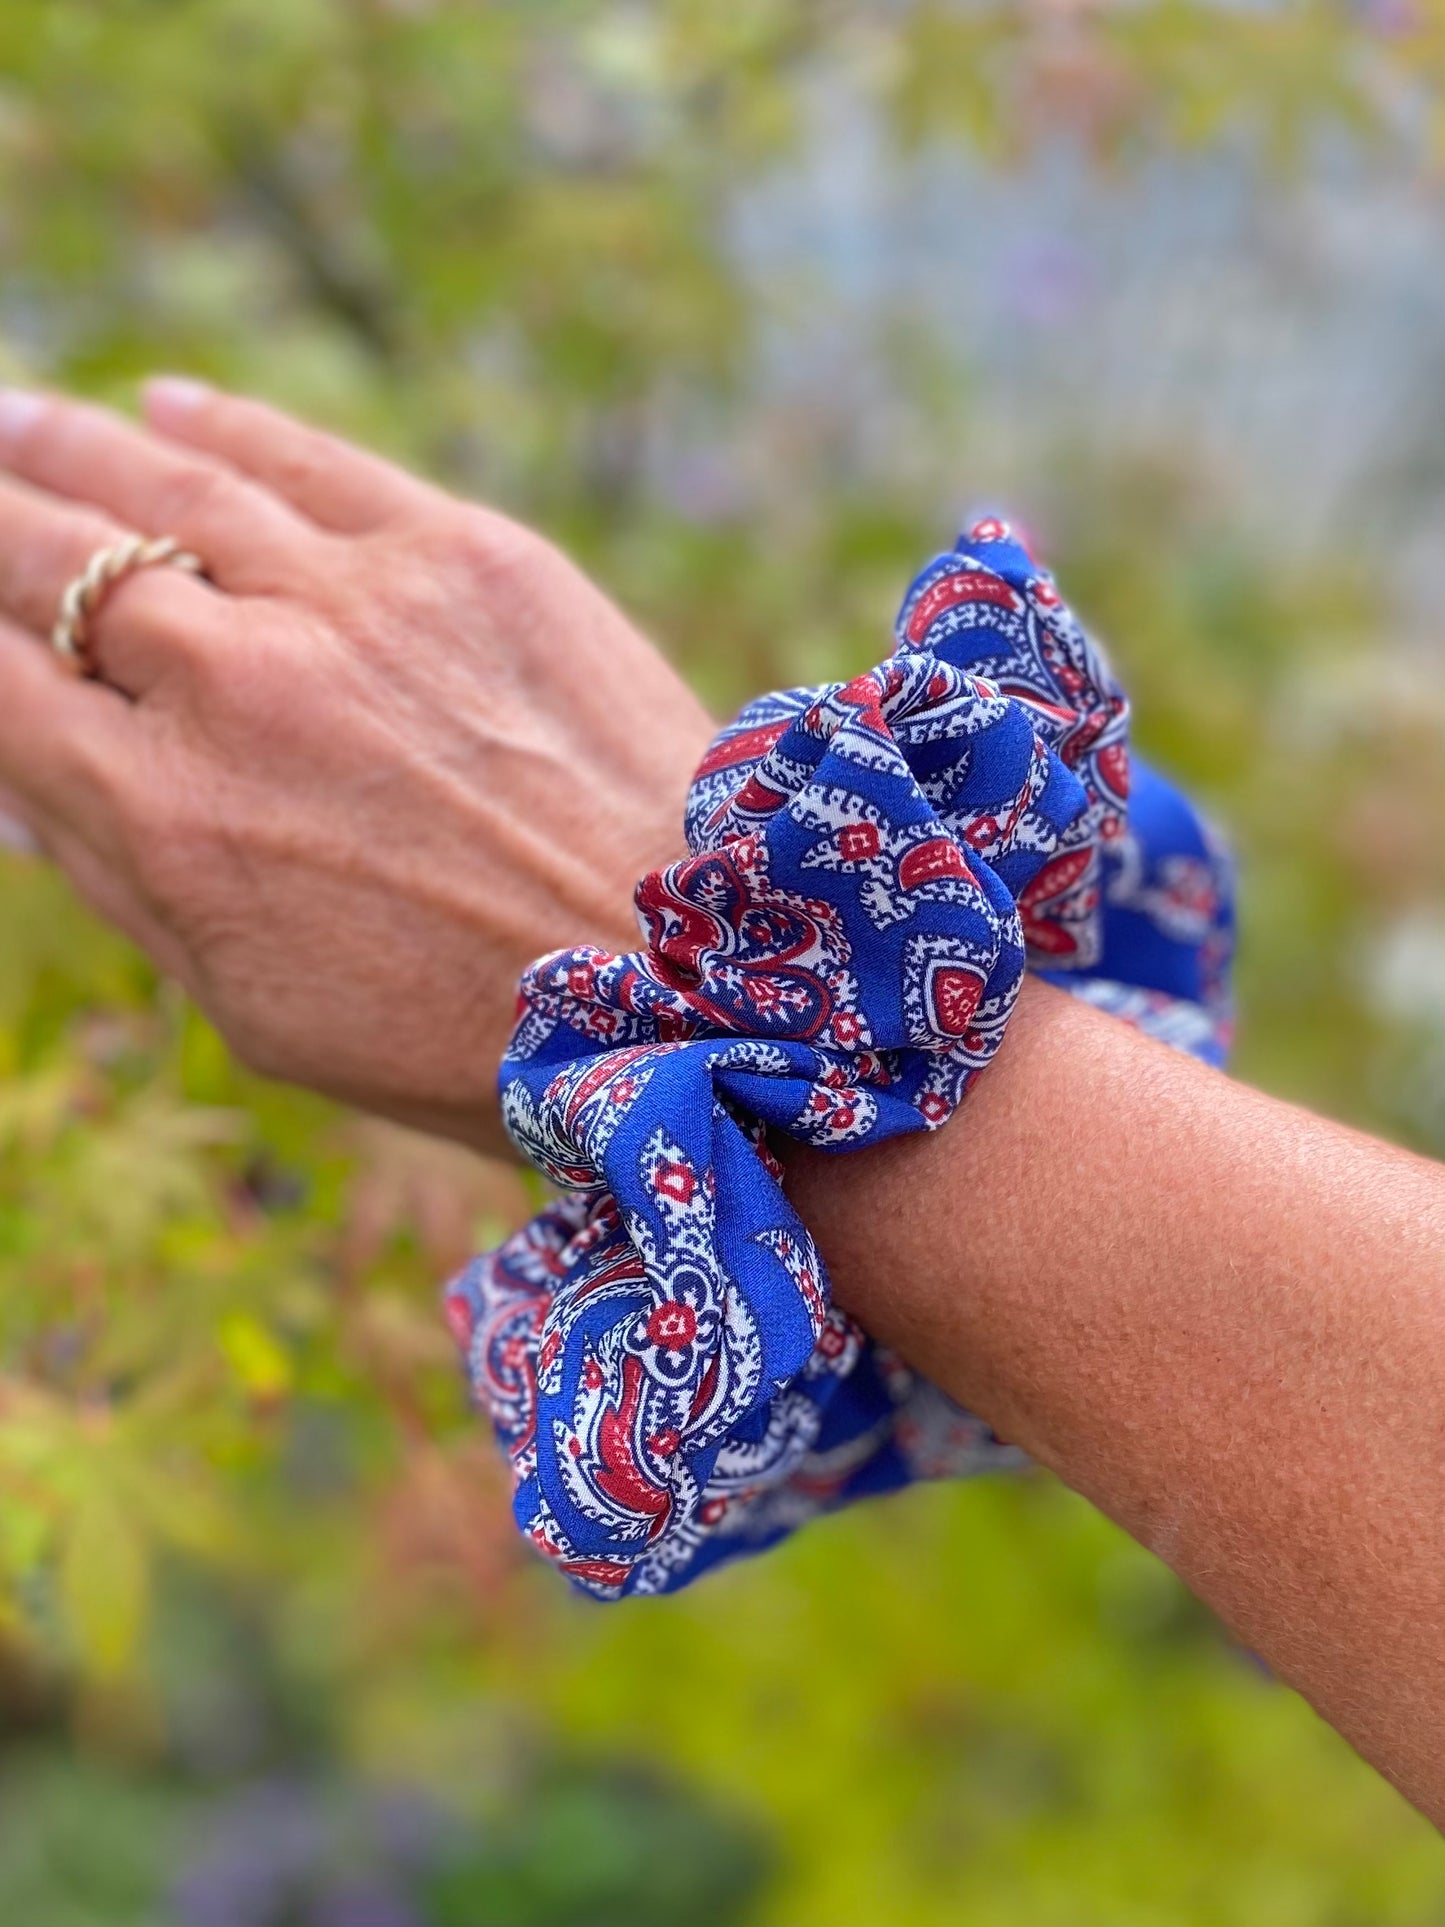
392	749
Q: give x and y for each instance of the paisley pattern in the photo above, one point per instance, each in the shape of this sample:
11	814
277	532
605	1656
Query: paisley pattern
872	866
1167	927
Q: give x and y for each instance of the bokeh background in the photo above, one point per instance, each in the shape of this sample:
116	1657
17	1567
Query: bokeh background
748	304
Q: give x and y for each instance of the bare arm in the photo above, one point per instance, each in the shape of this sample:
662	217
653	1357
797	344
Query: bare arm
330	791
1219	1317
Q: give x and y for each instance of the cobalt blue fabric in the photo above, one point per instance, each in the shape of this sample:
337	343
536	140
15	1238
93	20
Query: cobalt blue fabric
1167	925
872	866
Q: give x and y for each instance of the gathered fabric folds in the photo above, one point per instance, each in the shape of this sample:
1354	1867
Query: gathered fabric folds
872	866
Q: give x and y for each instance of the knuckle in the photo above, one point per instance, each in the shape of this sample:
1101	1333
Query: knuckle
228	669
262	678
469	557
492	547
203	653
164	606
301	468
430	574
192	492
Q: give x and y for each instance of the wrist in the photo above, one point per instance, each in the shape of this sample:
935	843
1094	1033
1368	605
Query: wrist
858	1207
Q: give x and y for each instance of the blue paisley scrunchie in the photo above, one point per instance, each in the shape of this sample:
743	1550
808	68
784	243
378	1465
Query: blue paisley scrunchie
872	865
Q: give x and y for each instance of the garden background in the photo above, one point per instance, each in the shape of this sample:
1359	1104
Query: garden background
748	305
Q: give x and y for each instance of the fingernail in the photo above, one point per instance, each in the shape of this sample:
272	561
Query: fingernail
18	409
174	395
17	836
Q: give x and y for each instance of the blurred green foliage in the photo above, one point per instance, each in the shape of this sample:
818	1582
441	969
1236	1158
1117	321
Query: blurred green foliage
246	1527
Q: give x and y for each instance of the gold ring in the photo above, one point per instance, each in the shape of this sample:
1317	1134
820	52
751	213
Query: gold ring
70	636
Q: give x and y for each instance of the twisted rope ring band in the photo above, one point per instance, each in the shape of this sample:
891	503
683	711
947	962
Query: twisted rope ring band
84	595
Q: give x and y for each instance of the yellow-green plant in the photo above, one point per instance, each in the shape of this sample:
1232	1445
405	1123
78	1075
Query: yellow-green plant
496	240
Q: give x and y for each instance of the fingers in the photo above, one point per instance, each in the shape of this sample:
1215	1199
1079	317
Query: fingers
61	740
249	540
64	744
326	479
144	621
15	831
98	880
43	543
101	884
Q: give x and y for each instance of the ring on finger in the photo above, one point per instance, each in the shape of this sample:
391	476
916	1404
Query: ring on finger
70	638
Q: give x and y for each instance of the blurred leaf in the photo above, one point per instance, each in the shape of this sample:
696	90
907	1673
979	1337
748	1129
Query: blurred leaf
105	1582
257	1360
509	244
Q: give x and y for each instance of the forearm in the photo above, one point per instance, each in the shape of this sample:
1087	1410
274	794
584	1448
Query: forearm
1220	1318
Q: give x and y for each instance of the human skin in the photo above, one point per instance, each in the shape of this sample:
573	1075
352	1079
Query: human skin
332	789
1219	1317
333	792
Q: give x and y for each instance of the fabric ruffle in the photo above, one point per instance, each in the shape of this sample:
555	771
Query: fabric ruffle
872	866
1167	927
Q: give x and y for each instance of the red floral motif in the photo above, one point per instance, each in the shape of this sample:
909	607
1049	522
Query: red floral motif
955	992
677	1181
966	585
836	957
459	1319
1055	886
926	862
672	1326
732	752
857	842
1114	769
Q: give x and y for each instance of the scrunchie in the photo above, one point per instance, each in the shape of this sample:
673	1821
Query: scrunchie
872	864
